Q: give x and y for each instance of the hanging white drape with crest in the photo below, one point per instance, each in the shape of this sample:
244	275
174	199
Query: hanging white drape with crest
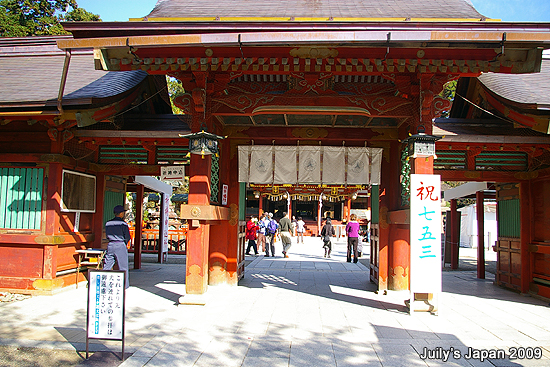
266	164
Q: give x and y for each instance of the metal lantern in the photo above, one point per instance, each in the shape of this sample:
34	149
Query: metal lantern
421	145
203	143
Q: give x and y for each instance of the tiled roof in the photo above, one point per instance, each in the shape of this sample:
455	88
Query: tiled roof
522	88
31	70
454	9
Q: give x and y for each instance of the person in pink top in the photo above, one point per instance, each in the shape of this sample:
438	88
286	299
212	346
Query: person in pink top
352	230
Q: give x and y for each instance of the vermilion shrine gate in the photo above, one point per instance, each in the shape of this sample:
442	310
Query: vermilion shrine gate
312	76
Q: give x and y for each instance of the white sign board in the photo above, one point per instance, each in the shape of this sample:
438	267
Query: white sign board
172	173
225	191
165	218
425	233
106	304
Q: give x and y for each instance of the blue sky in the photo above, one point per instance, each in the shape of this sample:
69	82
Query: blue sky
506	10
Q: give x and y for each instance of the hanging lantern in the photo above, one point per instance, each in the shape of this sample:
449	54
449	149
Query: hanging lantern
203	142
421	145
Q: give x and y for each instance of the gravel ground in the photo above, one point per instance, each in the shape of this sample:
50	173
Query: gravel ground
34	357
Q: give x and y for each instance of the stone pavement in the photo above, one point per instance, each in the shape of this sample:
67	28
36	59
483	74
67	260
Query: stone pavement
301	311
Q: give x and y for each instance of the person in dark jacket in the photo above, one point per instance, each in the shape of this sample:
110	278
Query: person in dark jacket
326	233
118	234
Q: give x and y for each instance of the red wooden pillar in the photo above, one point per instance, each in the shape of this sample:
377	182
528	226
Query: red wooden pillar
53	204
525	235
347	209
99	210
226	263
198	237
289	207
139	226
480	235
261	206
423	165
53	219
454	234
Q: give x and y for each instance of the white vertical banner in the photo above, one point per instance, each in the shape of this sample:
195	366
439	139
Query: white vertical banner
285	165
309	165
244	165
165	219
358	166
334	164
225	192
375	155
425	214
261	164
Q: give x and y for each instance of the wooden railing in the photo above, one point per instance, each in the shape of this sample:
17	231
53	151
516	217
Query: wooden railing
177	239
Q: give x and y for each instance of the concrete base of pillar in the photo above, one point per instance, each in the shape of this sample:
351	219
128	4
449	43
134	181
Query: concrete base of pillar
193	299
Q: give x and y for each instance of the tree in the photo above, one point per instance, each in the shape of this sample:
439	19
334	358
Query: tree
175	89
23	18
448	92
81	15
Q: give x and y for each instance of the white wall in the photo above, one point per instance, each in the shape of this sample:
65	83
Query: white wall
468	226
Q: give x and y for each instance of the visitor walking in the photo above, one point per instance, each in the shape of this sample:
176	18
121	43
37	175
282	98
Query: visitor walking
262	223
352	230
326	233
285	230
251	230
270	232
300	229
118	234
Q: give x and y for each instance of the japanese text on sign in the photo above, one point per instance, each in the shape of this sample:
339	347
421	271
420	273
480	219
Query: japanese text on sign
425	233
106	305
176	173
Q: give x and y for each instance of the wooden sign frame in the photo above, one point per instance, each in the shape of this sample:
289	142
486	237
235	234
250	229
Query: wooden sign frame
106	307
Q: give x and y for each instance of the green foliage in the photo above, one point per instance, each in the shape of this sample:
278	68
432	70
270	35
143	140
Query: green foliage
175	89
81	15
448	92
23	18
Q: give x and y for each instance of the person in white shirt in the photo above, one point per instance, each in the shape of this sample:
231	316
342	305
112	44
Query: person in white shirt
300	229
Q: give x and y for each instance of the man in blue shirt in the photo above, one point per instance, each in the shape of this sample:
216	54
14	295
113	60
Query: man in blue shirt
118	234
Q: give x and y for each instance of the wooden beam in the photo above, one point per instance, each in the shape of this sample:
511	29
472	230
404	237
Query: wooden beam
130	134
493	139
455	175
368	121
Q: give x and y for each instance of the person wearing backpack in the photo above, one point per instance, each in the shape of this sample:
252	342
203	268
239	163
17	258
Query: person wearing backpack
270	232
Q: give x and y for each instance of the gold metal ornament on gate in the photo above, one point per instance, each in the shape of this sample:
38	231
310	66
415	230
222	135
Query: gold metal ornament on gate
195	212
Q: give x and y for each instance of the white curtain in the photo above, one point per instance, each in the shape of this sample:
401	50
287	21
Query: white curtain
256	165
309	170
285	165
334	163
376	163
358	166
244	150
261	164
